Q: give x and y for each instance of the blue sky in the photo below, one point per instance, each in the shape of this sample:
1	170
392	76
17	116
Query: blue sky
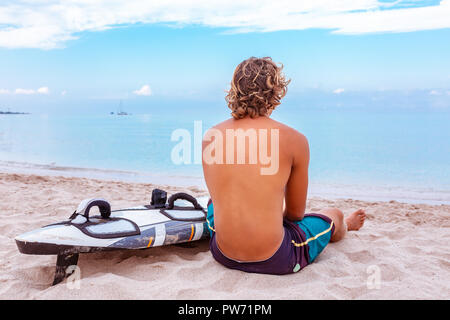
337	53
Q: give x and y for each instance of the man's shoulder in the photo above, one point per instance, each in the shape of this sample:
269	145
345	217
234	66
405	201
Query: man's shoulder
286	132
223	125
293	135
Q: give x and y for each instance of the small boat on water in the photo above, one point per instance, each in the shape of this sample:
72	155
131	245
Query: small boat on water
120	112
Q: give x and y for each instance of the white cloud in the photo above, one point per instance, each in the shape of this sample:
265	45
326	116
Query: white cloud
43	90
49	24
24	91
4	91
338	91
434	92
63	93
143	91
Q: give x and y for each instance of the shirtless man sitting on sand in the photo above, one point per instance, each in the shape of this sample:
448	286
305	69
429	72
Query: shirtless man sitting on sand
256	170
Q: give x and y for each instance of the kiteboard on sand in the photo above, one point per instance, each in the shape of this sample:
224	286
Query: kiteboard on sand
157	224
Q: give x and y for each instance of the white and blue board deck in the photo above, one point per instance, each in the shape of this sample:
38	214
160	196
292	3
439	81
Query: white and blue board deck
138	227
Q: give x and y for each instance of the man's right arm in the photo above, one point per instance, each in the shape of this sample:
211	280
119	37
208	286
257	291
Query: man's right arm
297	185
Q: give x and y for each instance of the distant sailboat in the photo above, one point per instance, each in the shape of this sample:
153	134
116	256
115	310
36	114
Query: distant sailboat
121	112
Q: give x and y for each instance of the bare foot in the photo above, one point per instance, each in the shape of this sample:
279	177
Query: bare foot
355	220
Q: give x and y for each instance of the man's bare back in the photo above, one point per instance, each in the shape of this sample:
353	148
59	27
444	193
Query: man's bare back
248	205
256	171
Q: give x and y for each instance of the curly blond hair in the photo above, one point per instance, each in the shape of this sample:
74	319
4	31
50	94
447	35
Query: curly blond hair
257	88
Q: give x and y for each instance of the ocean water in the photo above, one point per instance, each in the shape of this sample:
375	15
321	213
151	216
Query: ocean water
368	154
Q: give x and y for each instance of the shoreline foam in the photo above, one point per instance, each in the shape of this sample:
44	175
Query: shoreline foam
335	191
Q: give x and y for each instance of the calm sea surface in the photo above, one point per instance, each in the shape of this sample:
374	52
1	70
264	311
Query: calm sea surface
369	151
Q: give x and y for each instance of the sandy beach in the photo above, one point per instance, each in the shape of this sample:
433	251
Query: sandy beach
402	252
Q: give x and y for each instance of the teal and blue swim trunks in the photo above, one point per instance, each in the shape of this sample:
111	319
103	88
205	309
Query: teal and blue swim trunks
303	241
